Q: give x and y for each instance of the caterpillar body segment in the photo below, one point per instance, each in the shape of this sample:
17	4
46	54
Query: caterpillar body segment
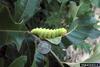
49	33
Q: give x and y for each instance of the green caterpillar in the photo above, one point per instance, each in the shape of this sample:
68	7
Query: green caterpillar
48	33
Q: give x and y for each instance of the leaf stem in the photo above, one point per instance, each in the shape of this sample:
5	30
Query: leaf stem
72	30
14	31
77	11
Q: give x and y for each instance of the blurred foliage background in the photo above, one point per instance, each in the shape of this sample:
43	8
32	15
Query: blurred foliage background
20	48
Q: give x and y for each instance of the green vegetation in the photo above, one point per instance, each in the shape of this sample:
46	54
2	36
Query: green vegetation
20	46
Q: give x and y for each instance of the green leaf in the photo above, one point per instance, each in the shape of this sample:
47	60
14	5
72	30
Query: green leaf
7	24
12	37
9	31
24	10
55	59
94	33
73	10
65	42
17	38
1	8
86	21
53	6
41	60
62	1
19	62
78	35
38	59
84	8
49	1
28	48
96	2
82	28
54	19
1	62
11	52
39	56
34	64
58	50
55	41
